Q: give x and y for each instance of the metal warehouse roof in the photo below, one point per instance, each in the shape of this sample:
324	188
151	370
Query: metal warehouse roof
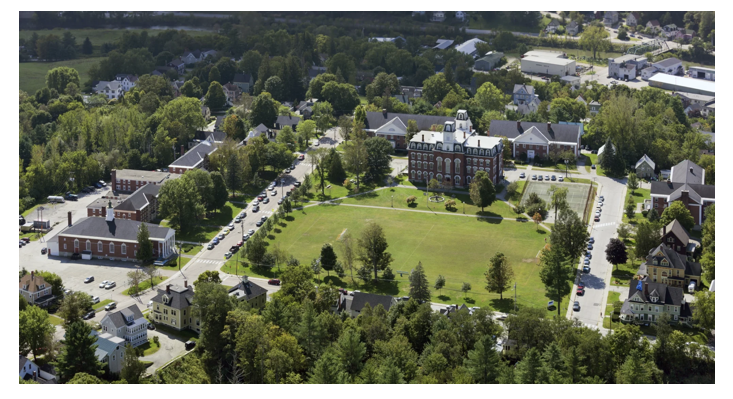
697	84
549	60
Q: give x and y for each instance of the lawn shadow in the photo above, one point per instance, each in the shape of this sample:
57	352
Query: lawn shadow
469	300
366	196
490	220
277	231
444	297
505	305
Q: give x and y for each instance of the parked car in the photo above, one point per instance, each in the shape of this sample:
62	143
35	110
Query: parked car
110	285
75	256
273	281
231	226
95	299
151	326
89	315
250	231
67	292
43	251
228	255
590	246
287	170
245	237
89	279
296	184
553	178
26	240
560	178
301	157
576	306
259	223
264	218
220	236
215	240
521	175
255	202
580	291
266	201
597	219
343	291
593	166
273	193
237	219
547	177
234	249
581	285
190	345
240	243
210	246
280	201
586	261
110	306
586	269
255	208
103	284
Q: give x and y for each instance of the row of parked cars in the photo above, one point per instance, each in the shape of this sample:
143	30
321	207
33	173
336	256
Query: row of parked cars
540	178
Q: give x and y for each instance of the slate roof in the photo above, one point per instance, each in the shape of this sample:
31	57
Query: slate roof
118	318
681	173
676	261
667	62
113	85
195	155
375	120
287	120
646	159
362	298
557	132
23	361
140	198
106	344
121	229
217	135
246	290
667	295
180	297
676	228
572	25
527	88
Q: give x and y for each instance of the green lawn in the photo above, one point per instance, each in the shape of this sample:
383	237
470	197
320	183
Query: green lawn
34	236
456	247
33	209
33	74
464	204
192	250
594	161
622	274
143	286
200	233
640	194
183	335
517	197
55	320
337	189
150	347
101	304
612	297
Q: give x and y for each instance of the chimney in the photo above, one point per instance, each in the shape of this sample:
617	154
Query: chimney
646	288
423	138
664	230
245	279
464	135
168	289
519	125
35	375
33	274
185	283
690	169
68	216
549	126
182	150
384	111
479	143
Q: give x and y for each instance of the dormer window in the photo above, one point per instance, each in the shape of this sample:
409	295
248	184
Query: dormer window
656	262
664	262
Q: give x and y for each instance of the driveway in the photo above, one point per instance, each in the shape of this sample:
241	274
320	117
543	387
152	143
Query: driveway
170	347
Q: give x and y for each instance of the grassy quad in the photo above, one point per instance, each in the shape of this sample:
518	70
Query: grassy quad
384	198
456	247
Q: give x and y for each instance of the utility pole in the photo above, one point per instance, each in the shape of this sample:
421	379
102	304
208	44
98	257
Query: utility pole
515	296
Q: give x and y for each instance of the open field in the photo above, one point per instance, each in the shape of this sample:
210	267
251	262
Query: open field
577	193
456	247
505	24
33	74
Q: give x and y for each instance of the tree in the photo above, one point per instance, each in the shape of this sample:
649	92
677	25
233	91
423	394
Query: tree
214	75
482	190
351	351
633	182
346	125
144	245
211	305
256	250
704	310
637	369
355	154
23	303
489	97
383	84
274	86
512	189
348	253
77	353
306	129
84	378
499	275
328	258
483	361
528	369
569	234
436	87
616	252
317	158
54	280
708	244
192	88
60	77
134	278
180	203
151	272
624	231
219	193
647	238
215	97
439	283
559	198
35	330
74	306
373	248
286	136
378	156
336	171
630	209
323	116
132	368
678	211
465	288
594	38
86	47
419	289
234	127
537	218
652	215
327	369
208	276
433	185
556	275
412	129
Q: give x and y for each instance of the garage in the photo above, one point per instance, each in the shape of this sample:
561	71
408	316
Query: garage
548	65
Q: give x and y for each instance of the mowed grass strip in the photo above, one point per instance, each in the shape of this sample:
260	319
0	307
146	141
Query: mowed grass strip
458	248
33	74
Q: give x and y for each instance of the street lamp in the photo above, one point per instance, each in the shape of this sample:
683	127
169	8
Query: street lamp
566	168
393	201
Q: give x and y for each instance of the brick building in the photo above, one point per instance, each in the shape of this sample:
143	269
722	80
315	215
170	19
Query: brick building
536	139
141	206
109	238
686	184
454	155
130	180
393	126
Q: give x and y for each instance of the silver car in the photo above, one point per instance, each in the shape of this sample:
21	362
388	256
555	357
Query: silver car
103	284
110	285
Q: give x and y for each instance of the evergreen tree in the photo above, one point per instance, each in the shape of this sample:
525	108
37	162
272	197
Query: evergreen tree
336	173
574	364
419	286
499	275
87	48
77	354
220	193
633	182
327	370
652	215
144	245
528	369
351	351
482	361
215	97
391	374
214	75
328	258
309	332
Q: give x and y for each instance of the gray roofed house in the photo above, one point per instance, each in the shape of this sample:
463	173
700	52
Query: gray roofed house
244	81
249	291
142	205
217	136
572	28
128	324
283	121
645	167
687	172
443	44
556	132
665	257
196	157
469	46
645	295
28	370
675	236
489	61
362	298
178	297
110	350
375	120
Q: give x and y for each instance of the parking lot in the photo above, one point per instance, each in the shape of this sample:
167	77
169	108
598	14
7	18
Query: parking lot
57	213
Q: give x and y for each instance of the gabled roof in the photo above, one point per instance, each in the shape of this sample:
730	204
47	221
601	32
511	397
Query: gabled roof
121	229
362	298
594	102
676	228
113	85
687	172
667	295
217	136
242	78
667	62
572	25
179	297
140	198
375	120
33	283
676	261
232	87
283	120
554	22
557	132
118	318
176	63
527	88
654	22
443	44
645	158
106	344
673	189
195	155
635	15
246	290
469	46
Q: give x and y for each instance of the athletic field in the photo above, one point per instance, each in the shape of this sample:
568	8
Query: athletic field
577	193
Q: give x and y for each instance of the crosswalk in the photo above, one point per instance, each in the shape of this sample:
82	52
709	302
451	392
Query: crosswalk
210	261
597	225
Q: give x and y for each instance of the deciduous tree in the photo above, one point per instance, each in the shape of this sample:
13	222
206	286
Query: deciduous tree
616	252
373	248
556	275
594	38
215	97
482	190
678	211
439	283
35	330
704	310
132	368
328	258
499	275
74	306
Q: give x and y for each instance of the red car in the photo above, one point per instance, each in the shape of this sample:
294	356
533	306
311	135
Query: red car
580	291
273	281
597	219
239	244
26	239
301	157
581	286
261	197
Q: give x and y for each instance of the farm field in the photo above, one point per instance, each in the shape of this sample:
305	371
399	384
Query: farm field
33	74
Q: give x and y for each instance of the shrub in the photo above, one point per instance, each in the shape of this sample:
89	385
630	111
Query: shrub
347	184
450	204
519	209
411	200
156	340
644	213
387	274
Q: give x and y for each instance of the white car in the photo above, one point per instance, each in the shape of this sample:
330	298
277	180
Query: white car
110	285
95	299
231	226
103	284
